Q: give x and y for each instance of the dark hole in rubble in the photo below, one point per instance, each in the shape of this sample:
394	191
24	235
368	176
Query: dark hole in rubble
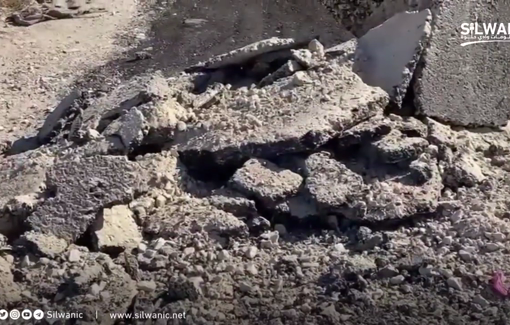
294	225
87	240
204	167
145	149
17	231
301	226
293	162
408	107
103	123
244	75
395	224
50	192
18	275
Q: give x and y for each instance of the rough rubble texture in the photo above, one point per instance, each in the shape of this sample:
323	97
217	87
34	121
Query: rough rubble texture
280	183
478	72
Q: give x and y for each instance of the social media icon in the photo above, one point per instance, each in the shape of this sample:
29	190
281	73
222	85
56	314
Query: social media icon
38	314
14	314
26	314
4	314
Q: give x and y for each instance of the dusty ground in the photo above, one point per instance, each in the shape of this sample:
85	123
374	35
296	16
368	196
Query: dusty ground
39	63
58	54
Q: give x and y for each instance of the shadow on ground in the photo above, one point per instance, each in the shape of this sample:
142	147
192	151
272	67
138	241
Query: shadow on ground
190	32
186	33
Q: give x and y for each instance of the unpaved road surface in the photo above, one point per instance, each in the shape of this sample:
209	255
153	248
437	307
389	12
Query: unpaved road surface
40	63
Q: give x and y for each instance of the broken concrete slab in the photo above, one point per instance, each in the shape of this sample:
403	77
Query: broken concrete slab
282	118
177	218
439	134
42	244
53	120
82	187
365	132
153	120
210	96
135	92
330	183
286	70
345	51
263	180
11	292
388	9
116	230
409	126
22	188
230	201
241	55
305	58
465	85
379	126
380	194
401	196
396	148
463	171
388	55
127	128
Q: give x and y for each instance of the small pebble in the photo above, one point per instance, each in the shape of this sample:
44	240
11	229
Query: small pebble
223	255
74	255
465	255
481	301
150	253
158	243
339	248
245	287
454	283
147	286
456	216
181	126
251	269
188	251
397	279
26	261
406	288
95	289
142	247
499	237
492	247
447	241
160	201
44	260
251	252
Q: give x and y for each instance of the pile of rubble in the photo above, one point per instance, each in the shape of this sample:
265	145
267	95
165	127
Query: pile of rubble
281	182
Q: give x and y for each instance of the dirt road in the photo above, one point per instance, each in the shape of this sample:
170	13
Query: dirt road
37	63
40	63
226	24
